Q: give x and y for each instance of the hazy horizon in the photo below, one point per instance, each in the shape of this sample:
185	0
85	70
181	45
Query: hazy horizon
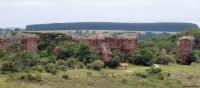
19	13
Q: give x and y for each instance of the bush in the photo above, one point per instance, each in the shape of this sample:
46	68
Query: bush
22	61
9	66
97	65
71	62
142	57
142	75
80	65
44	60
30	77
2	53
113	63
164	59
86	54
51	68
39	68
163	75
194	57
63	67
117	54
65	76
89	66
154	70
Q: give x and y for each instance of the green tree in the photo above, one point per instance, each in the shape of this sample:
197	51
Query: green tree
97	65
165	59
68	50
142	57
2	53
22	61
85	54
118	55
113	63
194	56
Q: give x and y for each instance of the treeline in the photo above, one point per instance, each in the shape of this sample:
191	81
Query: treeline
171	27
150	35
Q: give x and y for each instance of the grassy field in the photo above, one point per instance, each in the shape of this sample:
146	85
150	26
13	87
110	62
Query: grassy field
181	76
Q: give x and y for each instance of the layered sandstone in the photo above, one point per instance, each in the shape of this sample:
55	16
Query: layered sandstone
185	44
102	45
30	42
26	41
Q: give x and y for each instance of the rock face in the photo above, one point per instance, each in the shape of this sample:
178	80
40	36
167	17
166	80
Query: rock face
29	42
185	44
3	43
26	41
105	53
102	45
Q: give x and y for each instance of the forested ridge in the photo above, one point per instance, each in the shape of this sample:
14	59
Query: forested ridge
171	27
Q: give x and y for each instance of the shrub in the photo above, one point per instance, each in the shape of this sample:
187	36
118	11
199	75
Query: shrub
39	68
63	67
142	75
30	77
97	65
113	63
2	53
44	60
9	66
157	72
71	62
22	61
86	54
80	65
89	66
164	59
12	76
51	68
194	57
163	75
65	76
117	54
142	57
154	70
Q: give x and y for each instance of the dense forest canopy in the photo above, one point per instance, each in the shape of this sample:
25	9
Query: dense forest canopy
170	27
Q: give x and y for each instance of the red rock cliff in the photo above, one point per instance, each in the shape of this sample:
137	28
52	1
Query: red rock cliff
185	44
126	44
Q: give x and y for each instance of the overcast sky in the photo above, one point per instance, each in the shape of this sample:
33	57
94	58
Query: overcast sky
19	13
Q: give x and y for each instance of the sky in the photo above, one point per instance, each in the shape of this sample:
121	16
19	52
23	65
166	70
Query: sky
19	13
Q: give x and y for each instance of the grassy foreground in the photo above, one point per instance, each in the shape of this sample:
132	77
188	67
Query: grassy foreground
181	76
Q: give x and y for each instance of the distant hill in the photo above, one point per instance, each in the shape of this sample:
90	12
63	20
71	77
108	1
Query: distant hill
171	27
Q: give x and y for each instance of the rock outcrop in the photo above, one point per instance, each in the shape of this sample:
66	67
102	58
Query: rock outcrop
103	44
185	44
30	42
26	41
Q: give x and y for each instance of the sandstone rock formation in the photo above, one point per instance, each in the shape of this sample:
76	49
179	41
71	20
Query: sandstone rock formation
29	42
103	44
185	44
106	53
3	43
26	41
